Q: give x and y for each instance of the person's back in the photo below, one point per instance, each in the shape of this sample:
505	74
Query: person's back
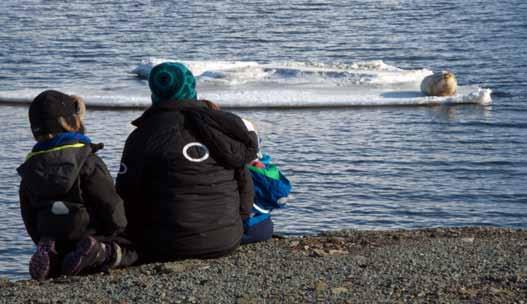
66	193
178	176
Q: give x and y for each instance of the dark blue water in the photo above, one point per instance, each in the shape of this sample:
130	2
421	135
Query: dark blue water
364	168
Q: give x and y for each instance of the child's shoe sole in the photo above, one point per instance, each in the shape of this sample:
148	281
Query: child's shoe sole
42	261
82	257
39	265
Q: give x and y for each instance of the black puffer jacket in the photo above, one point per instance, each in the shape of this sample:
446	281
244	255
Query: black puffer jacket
67	193
179	180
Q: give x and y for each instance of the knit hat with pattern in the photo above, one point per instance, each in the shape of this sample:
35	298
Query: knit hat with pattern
171	81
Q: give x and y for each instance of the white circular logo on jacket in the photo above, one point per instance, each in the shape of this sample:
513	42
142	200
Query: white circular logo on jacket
123	169
198	145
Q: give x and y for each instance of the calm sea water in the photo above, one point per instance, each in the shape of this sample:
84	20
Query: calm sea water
364	168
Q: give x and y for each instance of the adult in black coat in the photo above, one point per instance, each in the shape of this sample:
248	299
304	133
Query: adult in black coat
183	177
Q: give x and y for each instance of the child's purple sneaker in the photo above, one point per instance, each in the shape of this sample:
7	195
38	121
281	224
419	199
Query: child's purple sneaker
87	254
43	260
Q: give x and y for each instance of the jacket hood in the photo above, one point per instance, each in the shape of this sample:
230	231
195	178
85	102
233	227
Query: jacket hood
224	133
51	173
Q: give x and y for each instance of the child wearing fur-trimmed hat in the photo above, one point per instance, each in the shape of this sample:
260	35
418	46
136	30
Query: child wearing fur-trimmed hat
68	201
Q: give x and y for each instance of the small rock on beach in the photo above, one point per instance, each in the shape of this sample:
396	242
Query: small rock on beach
441	265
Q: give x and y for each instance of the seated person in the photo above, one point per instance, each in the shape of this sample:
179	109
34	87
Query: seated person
271	190
68	201
180	169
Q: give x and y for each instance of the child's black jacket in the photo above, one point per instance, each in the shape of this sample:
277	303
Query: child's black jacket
66	192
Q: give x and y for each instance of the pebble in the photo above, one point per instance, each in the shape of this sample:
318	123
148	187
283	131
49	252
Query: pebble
403	266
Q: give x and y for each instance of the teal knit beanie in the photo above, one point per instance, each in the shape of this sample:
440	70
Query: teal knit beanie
171	81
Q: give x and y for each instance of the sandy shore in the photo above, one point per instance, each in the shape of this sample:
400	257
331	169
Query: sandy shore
462	265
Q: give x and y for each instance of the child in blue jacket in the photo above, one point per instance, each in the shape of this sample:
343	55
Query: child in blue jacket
271	190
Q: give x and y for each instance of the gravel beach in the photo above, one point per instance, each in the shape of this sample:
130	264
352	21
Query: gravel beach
441	265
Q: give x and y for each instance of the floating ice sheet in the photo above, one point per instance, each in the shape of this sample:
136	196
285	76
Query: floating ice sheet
247	84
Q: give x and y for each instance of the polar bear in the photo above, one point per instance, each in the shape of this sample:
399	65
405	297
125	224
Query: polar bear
439	84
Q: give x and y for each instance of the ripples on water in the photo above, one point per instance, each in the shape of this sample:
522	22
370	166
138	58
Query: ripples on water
376	168
481	41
